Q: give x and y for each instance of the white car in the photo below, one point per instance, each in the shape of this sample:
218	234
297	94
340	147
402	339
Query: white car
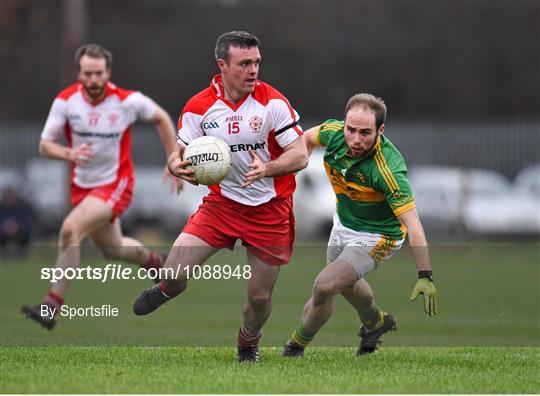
438	195
528	181
477	201
154	203
314	200
47	190
11	178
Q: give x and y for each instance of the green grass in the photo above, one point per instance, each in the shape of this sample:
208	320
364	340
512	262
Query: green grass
322	370
485	340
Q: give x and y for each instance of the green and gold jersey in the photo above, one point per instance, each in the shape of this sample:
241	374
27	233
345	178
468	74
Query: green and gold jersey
372	190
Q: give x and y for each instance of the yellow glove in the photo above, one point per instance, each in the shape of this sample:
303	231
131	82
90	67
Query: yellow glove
426	287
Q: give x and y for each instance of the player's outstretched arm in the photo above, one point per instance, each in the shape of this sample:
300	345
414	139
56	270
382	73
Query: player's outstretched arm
80	155
293	159
165	128
310	139
419	247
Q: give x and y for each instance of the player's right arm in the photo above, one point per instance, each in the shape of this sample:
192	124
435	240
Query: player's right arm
310	138
325	134
178	167
189	129
56	122
80	155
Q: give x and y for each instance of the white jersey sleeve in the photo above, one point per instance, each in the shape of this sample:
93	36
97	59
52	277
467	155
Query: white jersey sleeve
189	128
286	121
142	107
56	121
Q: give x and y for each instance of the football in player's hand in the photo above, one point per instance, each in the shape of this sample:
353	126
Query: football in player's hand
210	158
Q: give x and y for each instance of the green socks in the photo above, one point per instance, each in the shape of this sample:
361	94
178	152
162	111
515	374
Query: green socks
302	336
372	317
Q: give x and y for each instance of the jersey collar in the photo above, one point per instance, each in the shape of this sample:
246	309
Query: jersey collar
110	89
217	87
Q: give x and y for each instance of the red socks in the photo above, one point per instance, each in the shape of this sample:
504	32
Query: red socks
53	300
167	290
246	340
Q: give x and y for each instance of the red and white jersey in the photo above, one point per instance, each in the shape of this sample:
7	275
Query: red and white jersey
105	125
263	121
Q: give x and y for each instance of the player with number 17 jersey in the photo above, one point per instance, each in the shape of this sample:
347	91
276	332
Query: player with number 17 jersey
104	126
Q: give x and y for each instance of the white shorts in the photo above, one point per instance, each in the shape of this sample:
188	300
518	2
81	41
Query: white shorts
363	251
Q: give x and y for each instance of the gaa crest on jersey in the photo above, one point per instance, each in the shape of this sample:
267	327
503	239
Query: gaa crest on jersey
210	125
113	117
400	198
396	194
255	123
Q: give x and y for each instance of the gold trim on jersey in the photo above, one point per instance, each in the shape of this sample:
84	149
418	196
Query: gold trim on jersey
350	189
385	170
403	229
330	128
333	126
333	129
405	208
317	133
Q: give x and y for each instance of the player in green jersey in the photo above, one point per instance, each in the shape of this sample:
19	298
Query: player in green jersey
375	211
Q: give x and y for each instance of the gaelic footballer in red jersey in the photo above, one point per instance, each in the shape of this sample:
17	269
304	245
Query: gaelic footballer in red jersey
254	202
96	118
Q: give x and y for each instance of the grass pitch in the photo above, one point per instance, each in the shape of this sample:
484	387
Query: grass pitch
322	370
485	340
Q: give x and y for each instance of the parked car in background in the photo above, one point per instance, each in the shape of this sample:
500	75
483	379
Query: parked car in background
451	201
11	178
528	181
438	195
154	204
314	200
473	201
47	191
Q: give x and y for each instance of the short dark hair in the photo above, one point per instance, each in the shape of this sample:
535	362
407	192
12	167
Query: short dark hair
93	51
235	39
371	102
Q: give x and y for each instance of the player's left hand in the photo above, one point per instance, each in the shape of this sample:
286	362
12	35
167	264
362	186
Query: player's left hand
177	184
257	172
426	287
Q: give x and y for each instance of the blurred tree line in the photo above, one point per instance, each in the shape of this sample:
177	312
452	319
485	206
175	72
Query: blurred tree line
427	59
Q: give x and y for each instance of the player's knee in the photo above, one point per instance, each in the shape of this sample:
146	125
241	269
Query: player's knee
260	299
69	234
323	291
